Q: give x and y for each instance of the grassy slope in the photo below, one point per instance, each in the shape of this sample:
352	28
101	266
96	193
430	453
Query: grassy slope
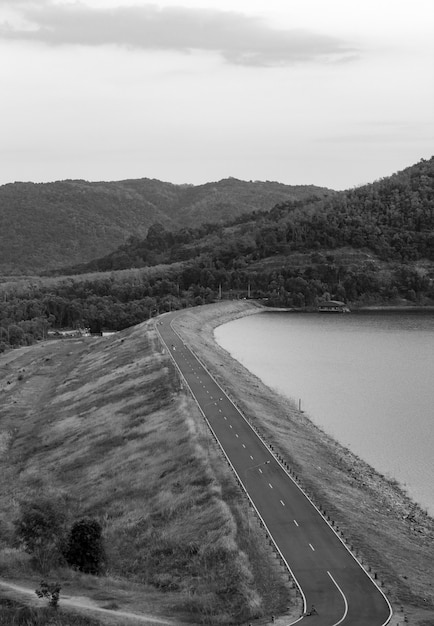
369	510
103	426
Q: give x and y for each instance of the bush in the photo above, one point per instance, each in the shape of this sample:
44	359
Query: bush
85	550
50	591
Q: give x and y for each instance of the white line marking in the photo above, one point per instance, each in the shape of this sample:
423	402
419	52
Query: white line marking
345	601
270	485
251	457
311	547
295	522
236	435
225	417
230	425
244	446
282	503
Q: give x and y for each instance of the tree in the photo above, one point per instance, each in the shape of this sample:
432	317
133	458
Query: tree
40	529
85	550
15	335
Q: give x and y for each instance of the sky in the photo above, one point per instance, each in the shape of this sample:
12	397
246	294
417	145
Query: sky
336	93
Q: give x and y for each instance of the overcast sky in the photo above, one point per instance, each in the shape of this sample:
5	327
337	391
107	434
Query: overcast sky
327	92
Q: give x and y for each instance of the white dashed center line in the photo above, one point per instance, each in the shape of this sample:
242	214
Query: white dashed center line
311	547
282	503
295	522
270	485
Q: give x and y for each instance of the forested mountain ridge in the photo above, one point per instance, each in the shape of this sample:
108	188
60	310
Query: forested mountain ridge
393	218
368	246
49	225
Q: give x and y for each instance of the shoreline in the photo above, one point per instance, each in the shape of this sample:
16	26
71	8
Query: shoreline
394	537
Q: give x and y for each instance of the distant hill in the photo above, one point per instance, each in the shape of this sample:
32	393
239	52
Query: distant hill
373	245
50	225
392	218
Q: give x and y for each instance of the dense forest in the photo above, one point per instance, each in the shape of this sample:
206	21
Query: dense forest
49	225
393	218
370	245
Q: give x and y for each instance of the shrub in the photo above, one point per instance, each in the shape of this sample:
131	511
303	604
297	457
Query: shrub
50	591
85	550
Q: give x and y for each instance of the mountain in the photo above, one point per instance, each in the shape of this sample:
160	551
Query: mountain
49	225
373	245
392	218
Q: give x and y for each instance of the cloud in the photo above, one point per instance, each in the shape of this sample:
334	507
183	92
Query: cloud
240	39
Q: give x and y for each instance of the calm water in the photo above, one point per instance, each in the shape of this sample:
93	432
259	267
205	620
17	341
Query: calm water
367	379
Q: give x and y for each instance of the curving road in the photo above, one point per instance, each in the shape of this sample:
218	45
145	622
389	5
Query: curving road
329	577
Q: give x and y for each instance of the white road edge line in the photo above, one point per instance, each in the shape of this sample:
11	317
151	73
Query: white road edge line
345	600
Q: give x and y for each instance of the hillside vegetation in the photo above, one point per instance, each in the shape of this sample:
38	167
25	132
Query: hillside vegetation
49	225
392	218
369	246
103	429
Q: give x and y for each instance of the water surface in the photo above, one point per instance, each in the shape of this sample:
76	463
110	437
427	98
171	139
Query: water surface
366	379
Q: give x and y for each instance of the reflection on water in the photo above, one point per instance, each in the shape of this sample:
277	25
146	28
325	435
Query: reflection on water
367	379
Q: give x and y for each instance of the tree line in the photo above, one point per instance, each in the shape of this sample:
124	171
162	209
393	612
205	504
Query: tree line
118	300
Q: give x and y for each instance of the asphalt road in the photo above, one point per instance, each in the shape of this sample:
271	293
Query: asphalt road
327	574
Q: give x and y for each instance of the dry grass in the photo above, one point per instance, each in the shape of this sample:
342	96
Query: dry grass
388	532
104	427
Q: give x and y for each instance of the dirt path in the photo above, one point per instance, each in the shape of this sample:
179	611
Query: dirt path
82	604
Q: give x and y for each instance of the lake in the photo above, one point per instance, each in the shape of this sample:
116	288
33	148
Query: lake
365	378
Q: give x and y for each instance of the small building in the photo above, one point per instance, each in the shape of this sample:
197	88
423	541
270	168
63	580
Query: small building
333	306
